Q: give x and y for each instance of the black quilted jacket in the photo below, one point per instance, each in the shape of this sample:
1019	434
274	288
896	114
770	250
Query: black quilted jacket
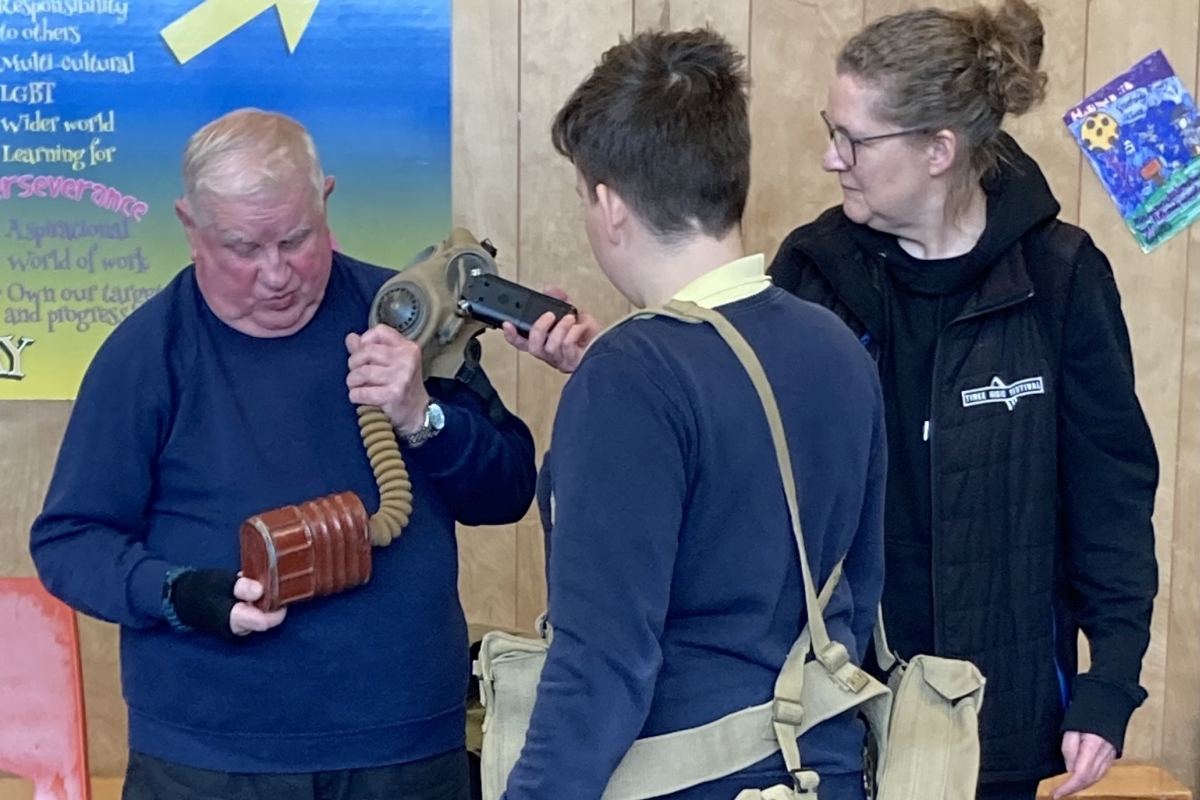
1041	470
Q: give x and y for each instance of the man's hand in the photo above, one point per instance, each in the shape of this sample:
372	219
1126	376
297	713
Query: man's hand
560	345
245	618
385	371
207	600
1088	758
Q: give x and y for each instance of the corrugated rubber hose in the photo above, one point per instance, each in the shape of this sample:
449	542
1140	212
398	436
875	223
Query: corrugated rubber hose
395	489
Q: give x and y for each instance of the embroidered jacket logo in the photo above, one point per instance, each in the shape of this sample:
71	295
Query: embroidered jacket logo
999	392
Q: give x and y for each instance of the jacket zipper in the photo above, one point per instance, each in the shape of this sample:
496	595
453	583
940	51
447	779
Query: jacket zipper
935	551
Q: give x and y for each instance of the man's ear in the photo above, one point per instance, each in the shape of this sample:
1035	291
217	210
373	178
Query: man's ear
330	181
184	212
190	229
943	151
614	212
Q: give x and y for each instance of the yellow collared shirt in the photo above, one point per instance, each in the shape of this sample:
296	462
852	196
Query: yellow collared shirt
729	283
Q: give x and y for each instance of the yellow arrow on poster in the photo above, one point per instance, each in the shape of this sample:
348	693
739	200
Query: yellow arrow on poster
213	20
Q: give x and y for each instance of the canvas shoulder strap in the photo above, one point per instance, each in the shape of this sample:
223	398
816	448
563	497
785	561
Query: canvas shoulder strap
935	706
808	691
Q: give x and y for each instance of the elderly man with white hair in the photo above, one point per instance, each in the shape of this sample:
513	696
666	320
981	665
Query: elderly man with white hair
233	392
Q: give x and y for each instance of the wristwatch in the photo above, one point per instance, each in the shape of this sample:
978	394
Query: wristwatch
435	420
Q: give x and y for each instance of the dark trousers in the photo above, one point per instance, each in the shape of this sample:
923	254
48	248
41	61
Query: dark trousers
1022	790
441	777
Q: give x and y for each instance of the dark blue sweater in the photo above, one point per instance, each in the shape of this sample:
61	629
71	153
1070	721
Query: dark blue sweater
183	428
674	581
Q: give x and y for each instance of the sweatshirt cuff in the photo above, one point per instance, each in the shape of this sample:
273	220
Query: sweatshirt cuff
444	453
1100	707
146	588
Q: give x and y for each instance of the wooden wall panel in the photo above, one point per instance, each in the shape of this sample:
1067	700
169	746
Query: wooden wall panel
1181	715
1153	294
29	437
107	726
730	19
486	69
560	44
873	9
1042	132
792	48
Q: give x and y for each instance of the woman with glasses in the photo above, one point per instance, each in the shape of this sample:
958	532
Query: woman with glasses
1021	471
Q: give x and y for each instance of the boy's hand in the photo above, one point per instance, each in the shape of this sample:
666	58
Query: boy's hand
560	345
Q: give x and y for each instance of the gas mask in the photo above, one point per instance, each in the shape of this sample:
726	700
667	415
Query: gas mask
324	546
424	301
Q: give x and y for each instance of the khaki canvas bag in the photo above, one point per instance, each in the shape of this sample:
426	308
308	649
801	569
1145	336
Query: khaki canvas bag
927	718
933	745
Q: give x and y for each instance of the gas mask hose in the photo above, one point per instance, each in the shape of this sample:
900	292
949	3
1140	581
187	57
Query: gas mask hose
391	475
421	302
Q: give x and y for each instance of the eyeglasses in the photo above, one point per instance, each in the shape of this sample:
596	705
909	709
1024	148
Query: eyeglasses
847	145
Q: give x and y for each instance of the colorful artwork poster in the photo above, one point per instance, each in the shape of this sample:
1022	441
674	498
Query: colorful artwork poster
98	99
1141	134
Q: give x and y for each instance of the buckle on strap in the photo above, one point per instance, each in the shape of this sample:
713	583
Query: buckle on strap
834	656
853	678
806	782
787	712
836	659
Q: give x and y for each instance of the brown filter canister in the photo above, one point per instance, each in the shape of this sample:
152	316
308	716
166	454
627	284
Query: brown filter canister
316	548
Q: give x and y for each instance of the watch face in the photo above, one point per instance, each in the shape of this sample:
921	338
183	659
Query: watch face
435	416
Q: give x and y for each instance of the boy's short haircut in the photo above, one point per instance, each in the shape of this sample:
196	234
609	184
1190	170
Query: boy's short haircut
663	121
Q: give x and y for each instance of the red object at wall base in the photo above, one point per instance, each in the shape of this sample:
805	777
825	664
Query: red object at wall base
299	552
43	736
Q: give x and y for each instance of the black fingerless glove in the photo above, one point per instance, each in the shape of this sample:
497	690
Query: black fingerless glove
200	600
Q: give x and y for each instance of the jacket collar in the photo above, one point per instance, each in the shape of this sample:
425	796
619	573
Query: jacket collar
856	273
856	280
1005	284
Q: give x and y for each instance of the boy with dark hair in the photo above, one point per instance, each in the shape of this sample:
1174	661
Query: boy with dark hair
675	588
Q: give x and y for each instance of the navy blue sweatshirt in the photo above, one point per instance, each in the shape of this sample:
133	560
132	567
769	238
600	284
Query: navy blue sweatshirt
674	581
183	428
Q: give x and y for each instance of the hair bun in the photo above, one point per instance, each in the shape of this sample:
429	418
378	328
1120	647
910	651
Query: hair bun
1010	45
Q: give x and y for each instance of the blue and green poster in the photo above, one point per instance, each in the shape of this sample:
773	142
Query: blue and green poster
98	99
